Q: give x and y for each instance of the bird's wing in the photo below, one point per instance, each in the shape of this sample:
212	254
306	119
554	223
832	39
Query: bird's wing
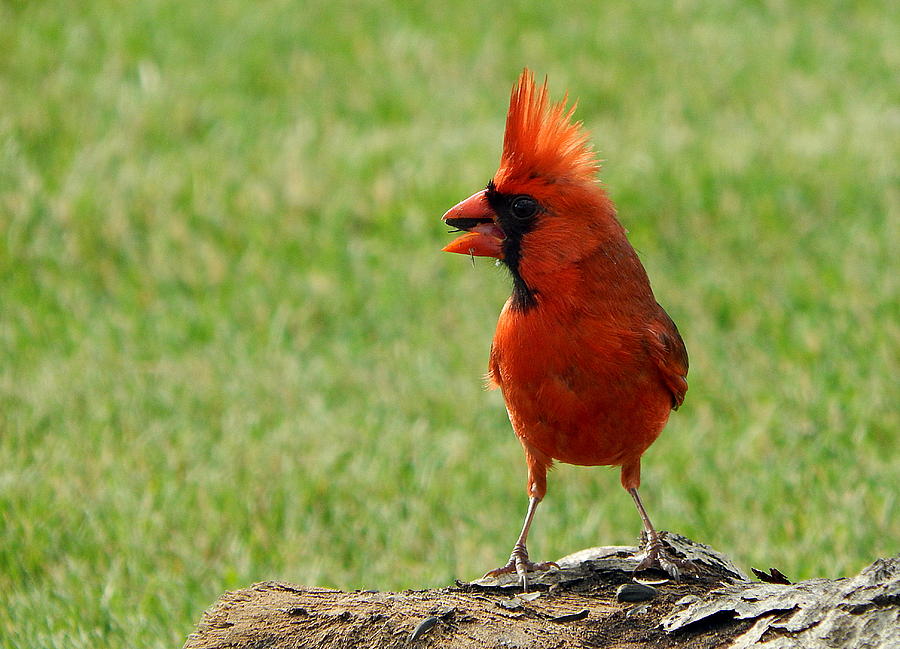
670	355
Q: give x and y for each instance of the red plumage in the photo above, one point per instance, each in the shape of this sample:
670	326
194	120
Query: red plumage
589	364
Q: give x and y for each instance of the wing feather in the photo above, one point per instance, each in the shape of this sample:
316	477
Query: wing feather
670	355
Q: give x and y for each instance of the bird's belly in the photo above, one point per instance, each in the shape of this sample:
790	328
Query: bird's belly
596	442
606	412
613	436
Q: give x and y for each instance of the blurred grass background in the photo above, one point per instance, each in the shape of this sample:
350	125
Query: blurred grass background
231	351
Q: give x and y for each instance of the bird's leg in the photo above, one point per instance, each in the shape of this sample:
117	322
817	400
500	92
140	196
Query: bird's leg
518	560
656	554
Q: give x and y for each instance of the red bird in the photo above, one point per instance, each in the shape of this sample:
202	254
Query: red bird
590	365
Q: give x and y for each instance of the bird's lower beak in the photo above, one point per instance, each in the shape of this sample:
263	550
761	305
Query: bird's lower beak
484	237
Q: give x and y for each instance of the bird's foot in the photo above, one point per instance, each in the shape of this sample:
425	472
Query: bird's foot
521	565
658	557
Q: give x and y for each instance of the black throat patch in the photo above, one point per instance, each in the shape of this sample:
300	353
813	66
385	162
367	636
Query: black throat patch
514	227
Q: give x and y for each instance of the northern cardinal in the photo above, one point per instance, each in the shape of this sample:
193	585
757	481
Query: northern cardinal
590	365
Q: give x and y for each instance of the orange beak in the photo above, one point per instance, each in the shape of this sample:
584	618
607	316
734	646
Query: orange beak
484	237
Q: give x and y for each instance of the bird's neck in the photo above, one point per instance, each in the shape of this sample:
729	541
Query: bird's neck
559	288
524	296
609	273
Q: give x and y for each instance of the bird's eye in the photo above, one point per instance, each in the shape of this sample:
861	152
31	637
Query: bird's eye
524	207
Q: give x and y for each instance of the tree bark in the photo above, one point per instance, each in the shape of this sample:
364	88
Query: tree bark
586	603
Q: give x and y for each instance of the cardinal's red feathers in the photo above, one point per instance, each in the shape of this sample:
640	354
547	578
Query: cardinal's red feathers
541	139
589	364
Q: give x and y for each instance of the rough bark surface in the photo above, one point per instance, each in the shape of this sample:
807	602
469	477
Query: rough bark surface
577	606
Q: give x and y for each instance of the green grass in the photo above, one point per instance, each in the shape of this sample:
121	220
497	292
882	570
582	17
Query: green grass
231	350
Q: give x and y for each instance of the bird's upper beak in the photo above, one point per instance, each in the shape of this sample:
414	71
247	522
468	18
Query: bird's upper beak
484	237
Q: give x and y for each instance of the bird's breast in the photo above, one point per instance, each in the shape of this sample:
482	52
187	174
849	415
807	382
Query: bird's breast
581	390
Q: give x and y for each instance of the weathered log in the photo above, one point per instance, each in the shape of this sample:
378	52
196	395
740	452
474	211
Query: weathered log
586	603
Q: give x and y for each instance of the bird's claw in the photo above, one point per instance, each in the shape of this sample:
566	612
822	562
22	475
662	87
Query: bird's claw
519	563
658	557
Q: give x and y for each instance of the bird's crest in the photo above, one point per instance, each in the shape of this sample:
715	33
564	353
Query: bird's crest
541	140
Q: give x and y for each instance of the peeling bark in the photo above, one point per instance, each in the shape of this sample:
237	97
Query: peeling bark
580	605
863	611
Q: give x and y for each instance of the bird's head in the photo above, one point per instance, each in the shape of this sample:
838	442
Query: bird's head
543	208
